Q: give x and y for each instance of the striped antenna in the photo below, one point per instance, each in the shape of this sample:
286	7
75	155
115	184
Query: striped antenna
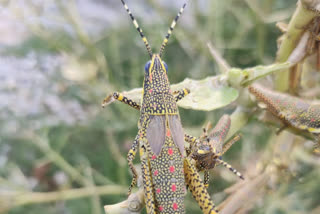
173	24
227	146
228	166
134	21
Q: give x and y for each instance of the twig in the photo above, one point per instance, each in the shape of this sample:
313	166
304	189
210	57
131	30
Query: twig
57	159
223	64
132	205
301	18
23	198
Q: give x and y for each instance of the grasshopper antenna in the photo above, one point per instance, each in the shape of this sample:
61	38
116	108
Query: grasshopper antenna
173	24
228	166
135	23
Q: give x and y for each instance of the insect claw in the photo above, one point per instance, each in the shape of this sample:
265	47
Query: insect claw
109	99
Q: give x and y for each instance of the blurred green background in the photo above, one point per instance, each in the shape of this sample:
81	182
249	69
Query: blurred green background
59	59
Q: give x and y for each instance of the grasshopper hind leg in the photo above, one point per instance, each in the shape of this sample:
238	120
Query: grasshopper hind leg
197	188
147	182
130	157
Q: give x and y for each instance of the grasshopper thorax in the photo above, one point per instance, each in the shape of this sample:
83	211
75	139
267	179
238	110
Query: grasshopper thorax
157	96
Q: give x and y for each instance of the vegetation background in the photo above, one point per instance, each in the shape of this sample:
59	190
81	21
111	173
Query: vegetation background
58	60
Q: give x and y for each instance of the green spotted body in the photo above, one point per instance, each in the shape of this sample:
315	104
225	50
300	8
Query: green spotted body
166	171
293	111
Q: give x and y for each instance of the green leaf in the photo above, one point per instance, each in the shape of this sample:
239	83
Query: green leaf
245	77
207	94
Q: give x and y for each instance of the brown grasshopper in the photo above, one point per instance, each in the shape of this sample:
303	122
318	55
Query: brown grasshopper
293	111
166	170
208	149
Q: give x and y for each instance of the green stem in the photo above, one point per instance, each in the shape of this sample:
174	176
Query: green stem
301	18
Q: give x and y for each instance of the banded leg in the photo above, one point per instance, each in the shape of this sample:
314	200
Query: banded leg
193	141
181	94
197	188
190	139
130	157
228	166
147	182
120	97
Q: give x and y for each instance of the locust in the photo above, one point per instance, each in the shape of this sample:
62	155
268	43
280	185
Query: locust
292	111
209	148
166	170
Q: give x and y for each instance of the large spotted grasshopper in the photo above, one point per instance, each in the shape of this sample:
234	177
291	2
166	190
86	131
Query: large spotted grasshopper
166	170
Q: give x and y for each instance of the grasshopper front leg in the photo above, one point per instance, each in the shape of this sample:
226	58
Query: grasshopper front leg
122	98
181	94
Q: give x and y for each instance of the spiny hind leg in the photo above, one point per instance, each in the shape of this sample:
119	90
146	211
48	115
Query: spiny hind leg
130	157
181	94
197	188
120	97
147	181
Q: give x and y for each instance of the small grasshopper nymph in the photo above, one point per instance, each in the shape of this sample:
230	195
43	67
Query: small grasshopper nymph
208	149
160	139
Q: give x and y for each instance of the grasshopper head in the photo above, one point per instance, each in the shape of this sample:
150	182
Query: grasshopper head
155	77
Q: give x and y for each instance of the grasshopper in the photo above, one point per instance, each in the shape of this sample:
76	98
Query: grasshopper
208	149
293	111
166	170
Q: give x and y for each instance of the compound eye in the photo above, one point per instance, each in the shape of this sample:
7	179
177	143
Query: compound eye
147	66
165	65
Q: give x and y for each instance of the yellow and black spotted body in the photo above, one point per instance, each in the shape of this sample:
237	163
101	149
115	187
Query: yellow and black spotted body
166	171
293	111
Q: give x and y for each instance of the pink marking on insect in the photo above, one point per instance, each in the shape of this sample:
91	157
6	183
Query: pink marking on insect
154	105
150	91
158	190
173	187
171	169
170	151
175	206
160	208
168	133
153	157
156	173
150	77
